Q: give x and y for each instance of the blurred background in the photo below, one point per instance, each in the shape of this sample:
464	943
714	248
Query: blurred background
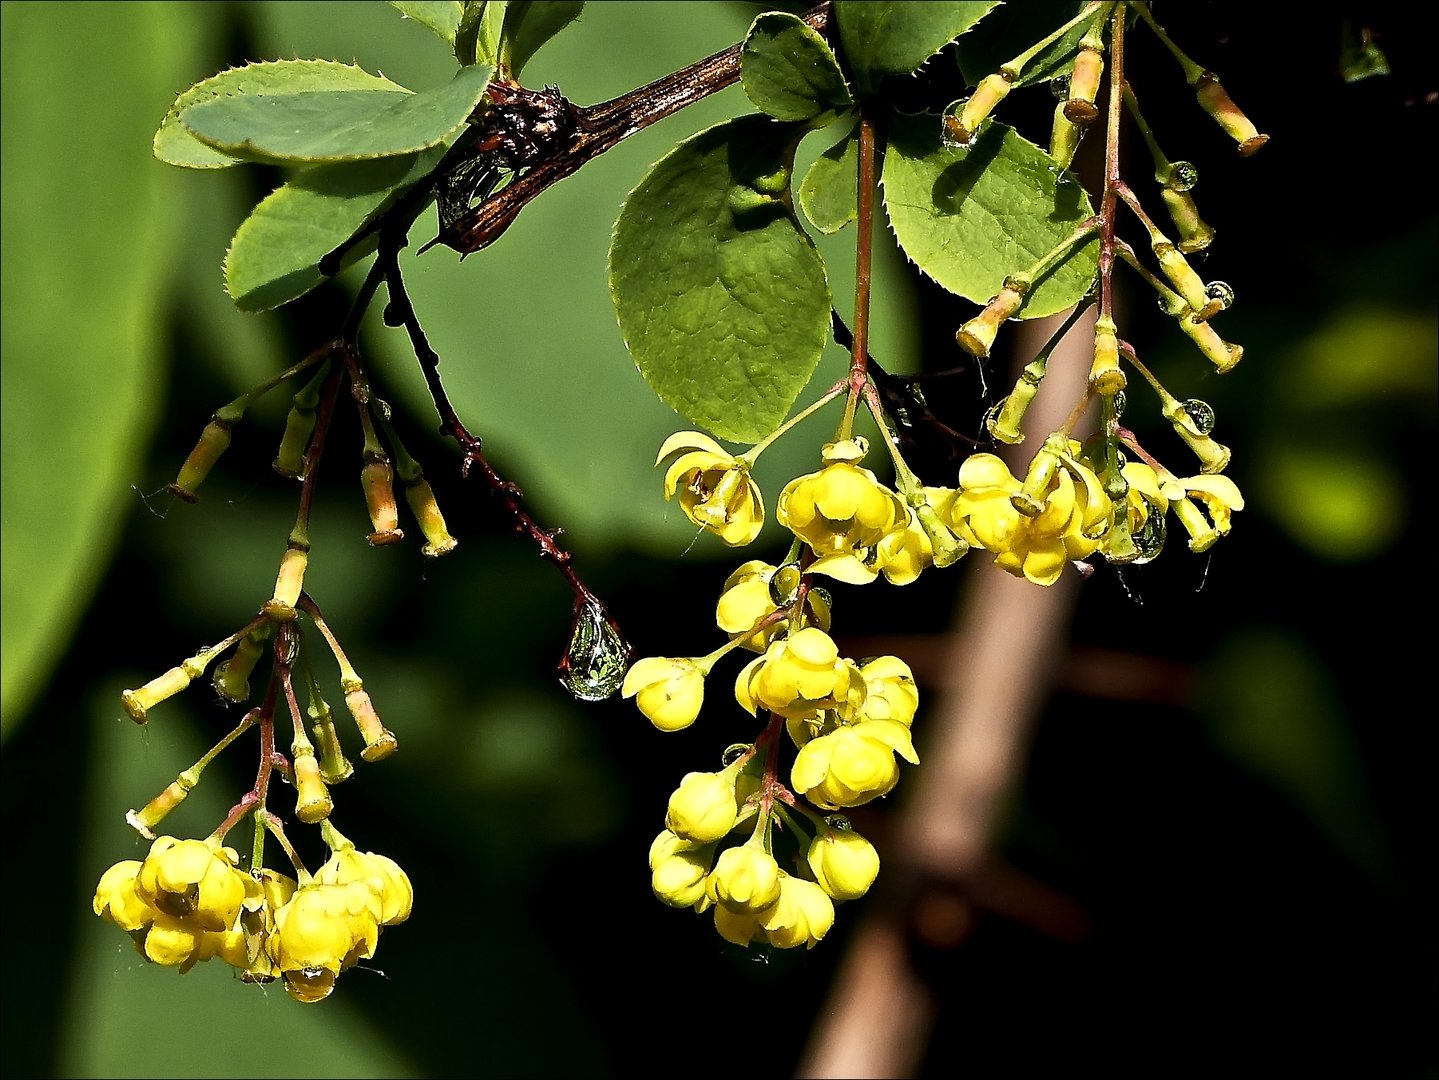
1211	852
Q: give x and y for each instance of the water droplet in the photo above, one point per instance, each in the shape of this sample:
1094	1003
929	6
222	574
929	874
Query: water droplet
838	821
784	585
823	595
1221	293
1149	538
594	666
734	751
1059	87
1120	401
1182	175
951	131
310	984
1201	415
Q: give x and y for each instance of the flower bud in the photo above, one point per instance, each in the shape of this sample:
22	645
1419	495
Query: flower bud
1105	375
380	743
288	583
844	863
1219	352
1214	100
421	498
704	807
745	879
139	702
962	125
668	690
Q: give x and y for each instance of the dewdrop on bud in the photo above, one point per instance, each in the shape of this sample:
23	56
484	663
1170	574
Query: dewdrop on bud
1215	100
377	479
1084	86
1192	421
214	441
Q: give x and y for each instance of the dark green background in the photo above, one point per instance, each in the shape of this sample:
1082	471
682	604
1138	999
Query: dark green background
1253	850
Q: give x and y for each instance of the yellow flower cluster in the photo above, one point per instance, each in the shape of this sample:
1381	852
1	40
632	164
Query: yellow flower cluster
188	901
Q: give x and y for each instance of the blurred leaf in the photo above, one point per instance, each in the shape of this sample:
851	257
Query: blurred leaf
440	17
788	70
276	252
531	23
971	217
1360	57
84	303
323	126
894	37
175	145
829	193
1341	500
1378	356
1273	707
721	297
1012	30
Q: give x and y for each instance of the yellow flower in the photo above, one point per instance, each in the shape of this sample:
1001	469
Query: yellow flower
802	915
748	597
678	869
852	764
324	929
1203	505
117	901
890	693
1143	501
704	807
844	863
905	551
1068	524
380	872
842	512
668	690
193	880
798	676
745	879
715	489
740	927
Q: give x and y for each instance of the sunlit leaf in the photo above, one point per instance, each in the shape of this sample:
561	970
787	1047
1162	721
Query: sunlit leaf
971	217
177	146
440	17
1012	30
894	37
788	70
722	299
531	23
323	126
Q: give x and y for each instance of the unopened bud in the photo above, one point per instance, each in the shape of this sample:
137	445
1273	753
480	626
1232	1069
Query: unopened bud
312	800
1194	234
1063	137
1222	354
1214	100
214	441
232	676
1084	86
1105	375
378	481
334	766
978	334
1181	275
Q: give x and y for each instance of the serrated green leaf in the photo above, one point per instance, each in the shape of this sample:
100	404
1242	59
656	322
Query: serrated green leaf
328	126
829	192
276	252
1016	27
894	37
789	71
970	218
531	23
440	17
174	145
722	299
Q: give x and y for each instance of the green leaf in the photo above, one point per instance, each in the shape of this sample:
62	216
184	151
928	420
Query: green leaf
531	23
970	218
440	17
324	126
894	37
276	252
91	232
722	299
829	192
174	145
1342	501
1013	29
789	71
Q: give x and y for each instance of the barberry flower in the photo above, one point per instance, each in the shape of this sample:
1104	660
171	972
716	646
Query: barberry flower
890	693
842	512
745	879
678	869
802	915
844	863
852	764
704	807
321	931
195	881
1203	505
715	489
749	596
390	883
117	901
668	690
798	676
